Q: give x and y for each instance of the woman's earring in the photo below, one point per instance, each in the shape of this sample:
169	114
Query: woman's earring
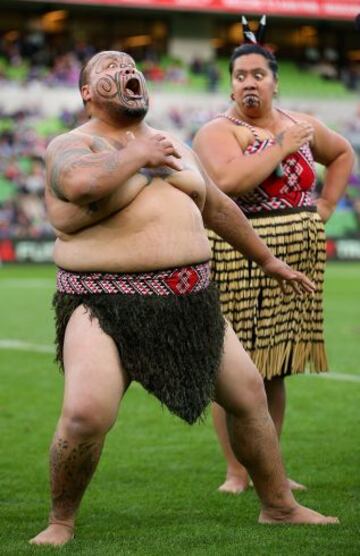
232	96
276	92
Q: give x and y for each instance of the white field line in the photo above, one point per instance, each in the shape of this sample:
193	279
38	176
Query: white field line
20	345
28	283
338	376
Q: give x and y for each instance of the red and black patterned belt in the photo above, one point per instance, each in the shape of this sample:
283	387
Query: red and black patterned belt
179	281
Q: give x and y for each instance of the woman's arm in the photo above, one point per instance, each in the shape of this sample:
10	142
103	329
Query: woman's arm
222	155
336	154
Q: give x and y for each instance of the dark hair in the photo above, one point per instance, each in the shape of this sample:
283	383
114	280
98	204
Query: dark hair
249	48
83	78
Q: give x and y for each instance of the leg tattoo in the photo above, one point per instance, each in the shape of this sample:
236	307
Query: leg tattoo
71	468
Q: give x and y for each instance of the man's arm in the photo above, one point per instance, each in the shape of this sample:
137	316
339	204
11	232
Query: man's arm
77	174
222	215
71	204
68	218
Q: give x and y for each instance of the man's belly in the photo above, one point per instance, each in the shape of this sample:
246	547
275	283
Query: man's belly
161	228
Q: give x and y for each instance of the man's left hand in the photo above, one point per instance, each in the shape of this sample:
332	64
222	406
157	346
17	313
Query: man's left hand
285	275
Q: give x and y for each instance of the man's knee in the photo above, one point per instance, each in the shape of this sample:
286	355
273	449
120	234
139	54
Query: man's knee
257	389
84	422
253	399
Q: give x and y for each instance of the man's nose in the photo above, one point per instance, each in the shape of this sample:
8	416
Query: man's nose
128	71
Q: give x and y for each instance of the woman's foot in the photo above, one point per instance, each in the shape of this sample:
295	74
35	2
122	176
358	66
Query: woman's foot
235	484
293	485
56	534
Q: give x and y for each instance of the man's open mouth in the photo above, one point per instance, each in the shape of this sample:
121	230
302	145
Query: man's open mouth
132	88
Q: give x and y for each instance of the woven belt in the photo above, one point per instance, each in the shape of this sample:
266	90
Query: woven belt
178	281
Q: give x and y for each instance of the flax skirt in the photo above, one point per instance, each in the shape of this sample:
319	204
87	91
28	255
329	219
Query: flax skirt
283	333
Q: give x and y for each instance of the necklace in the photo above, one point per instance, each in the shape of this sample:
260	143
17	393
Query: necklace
240	122
279	171
234	120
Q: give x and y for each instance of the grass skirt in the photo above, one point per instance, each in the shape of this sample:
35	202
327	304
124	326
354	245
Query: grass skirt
282	333
172	344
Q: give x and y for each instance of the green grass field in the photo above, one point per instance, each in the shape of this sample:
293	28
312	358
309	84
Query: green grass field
155	490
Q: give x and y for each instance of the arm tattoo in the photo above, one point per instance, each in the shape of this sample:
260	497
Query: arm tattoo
279	138
63	160
80	158
71	153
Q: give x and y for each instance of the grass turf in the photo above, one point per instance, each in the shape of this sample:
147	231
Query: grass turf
155	489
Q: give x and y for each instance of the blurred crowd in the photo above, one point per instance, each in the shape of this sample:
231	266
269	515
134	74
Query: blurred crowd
22	147
56	60
24	135
33	57
327	64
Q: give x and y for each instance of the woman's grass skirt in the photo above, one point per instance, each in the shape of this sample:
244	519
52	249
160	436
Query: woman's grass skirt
282	333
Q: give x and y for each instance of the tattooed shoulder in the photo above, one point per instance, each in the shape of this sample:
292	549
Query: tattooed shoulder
62	152
98	144
101	144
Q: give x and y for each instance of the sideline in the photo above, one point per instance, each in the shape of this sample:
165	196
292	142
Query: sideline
28	283
20	345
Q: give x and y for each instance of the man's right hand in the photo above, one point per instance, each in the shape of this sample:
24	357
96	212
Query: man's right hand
157	150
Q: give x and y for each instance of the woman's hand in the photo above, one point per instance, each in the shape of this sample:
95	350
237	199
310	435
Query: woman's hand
324	209
285	275
294	137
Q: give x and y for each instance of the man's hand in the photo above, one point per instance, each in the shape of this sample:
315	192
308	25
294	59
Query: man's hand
157	150
285	275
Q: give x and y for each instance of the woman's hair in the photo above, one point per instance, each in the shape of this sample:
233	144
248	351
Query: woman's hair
249	48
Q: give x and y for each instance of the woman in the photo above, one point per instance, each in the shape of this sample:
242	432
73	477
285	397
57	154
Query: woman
264	157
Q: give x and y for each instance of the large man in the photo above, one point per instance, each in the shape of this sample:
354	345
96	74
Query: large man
134	300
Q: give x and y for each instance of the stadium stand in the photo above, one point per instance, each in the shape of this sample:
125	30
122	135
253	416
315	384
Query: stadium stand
36	66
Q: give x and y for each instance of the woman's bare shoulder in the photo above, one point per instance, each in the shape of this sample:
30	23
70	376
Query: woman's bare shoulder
301	116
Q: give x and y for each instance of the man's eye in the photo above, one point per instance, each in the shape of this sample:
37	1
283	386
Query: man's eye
241	77
111	65
259	75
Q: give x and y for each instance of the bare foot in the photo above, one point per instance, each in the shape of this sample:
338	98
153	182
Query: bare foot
297	515
235	484
56	534
293	485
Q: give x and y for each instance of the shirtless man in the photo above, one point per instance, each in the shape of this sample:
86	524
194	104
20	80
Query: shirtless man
133	297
